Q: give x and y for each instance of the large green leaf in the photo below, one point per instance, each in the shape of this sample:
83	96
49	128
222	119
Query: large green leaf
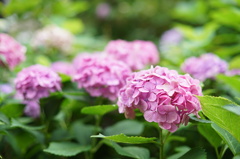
196	153
232	143
128	127
99	109
217	110
209	133
130	151
65	148
127	139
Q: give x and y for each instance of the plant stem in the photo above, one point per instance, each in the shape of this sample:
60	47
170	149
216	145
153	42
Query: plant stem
161	144
94	140
217	153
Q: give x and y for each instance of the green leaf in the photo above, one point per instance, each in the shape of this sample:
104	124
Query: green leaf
126	139
130	151
99	109
234	63
64	77
12	110
216	109
196	153
128	127
232	143
181	150
17	123
65	148
210	134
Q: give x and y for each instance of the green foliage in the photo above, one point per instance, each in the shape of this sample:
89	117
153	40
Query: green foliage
127	127
130	151
208	132
98	110
65	148
126	139
197	153
230	140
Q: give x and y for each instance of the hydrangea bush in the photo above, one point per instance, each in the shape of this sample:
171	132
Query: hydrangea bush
76	109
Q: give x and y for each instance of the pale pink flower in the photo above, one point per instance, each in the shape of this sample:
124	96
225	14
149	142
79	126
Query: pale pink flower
54	37
11	51
162	95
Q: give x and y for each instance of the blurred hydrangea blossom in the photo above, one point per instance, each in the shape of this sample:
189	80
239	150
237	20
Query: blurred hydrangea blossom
171	37
137	54
100	75
55	37
103	10
63	67
162	95
233	72
35	82
206	66
6	88
12	53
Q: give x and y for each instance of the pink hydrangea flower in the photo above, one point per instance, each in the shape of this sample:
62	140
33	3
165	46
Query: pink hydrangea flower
162	95
12	51
35	82
100	75
63	67
206	66
137	54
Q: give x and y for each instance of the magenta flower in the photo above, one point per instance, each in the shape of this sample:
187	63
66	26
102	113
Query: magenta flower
63	67
12	51
162	95
36	82
137	54
100	75
206	66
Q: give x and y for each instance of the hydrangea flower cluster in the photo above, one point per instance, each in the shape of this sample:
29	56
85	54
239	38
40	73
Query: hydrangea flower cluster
33	83
137	54
53	36
63	67
162	95
171	37
12	51
100	75
206	66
